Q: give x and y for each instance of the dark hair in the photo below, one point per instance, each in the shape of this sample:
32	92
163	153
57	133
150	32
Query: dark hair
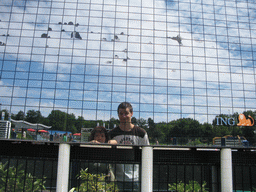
125	105
99	129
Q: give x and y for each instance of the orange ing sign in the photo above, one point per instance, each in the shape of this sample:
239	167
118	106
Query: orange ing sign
231	121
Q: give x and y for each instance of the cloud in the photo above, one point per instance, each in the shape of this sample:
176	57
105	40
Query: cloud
141	69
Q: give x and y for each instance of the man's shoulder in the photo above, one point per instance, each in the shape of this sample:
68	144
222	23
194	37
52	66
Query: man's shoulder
139	131
138	128
116	129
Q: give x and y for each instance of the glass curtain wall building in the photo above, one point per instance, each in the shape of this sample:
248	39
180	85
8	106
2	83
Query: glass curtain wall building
170	59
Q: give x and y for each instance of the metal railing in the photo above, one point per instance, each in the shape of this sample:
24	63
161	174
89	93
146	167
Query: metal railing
35	166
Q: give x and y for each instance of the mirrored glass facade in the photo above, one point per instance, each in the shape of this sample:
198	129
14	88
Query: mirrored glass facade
170	59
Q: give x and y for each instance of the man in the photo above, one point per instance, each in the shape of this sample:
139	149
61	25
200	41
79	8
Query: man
127	175
126	132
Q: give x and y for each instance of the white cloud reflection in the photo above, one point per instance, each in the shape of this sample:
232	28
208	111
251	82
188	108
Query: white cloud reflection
133	54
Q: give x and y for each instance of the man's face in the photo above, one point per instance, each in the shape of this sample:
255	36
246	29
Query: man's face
125	115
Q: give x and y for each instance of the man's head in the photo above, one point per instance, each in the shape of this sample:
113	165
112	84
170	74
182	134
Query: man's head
125	112
125	105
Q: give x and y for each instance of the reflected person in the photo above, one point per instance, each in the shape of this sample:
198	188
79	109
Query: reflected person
127	133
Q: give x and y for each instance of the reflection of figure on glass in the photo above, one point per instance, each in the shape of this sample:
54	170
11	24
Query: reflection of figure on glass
24	135
127	175
70	138
100	135
13	134
126	132
65	137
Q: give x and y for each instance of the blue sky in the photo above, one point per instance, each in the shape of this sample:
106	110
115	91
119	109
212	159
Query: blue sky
131	54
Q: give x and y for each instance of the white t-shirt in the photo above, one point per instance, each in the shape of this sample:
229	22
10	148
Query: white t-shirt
137	136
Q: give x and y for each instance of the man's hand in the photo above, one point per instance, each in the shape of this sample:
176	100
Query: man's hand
114	142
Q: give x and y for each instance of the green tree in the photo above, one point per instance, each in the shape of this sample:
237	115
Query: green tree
141	123
134	120
70	122
220	131
151	130
250	113
79	123
33	116
45	121
90	124
58	120
186	127
19	116
248	133
208	135
62	121
183	130
113	122
73	129
154	132
162	130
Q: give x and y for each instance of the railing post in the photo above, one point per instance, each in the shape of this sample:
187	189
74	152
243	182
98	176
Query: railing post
63	167
147	169
226	170
214	179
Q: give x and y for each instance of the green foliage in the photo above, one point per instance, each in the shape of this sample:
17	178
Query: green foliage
221	130
249	134
154	133
195	142
19	116
184	129
134	120
60	120
33	116
15	179
161	130
112	122
141	122
192	186
73	129
80	122
94	183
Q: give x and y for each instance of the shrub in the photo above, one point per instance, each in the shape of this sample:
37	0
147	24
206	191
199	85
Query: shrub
15	179
192	186
195	142
94	183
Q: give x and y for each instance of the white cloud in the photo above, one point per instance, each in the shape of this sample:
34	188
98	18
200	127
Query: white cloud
133	51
